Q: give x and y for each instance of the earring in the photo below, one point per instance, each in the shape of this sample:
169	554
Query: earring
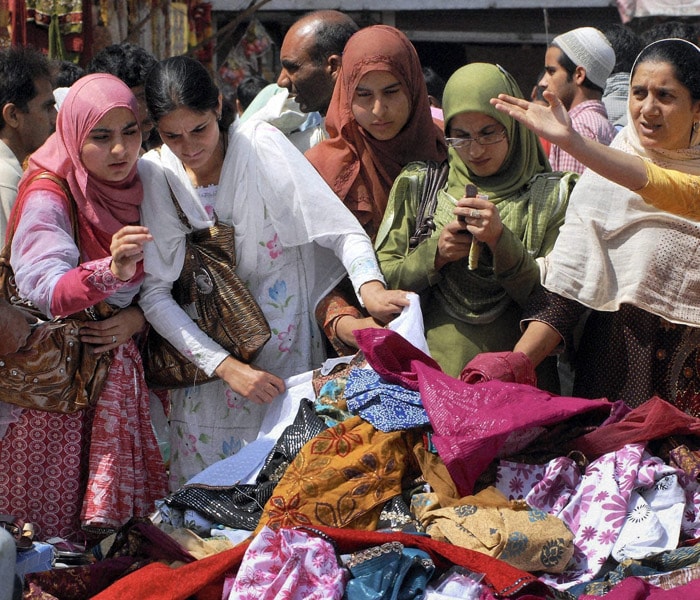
696	126
218	117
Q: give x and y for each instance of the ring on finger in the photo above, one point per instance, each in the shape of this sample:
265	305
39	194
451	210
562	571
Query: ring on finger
114	339
475	214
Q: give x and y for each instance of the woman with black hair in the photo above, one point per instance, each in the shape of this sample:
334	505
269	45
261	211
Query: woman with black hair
288	252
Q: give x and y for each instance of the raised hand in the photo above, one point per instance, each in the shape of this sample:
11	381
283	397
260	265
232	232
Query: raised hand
127	250
551	122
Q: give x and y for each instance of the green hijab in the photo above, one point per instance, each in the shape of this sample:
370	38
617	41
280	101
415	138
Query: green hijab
478	296
470	89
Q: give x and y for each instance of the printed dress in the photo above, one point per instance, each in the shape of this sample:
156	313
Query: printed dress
211	422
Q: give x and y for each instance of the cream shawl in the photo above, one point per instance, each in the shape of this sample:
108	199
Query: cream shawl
615	249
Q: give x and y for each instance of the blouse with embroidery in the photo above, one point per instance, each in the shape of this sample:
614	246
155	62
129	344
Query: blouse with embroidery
48	267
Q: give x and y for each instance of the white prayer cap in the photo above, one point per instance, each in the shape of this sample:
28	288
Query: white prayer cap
587	47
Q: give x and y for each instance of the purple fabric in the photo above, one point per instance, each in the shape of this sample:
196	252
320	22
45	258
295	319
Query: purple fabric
473	422
513	367
392	356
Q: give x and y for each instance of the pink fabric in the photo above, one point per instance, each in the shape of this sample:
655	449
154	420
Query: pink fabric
513	367
126	474
288	564
472	423
103	208
392	356
590	119
81	288
655	419
634	588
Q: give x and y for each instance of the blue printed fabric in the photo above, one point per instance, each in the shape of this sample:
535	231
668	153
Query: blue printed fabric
386	406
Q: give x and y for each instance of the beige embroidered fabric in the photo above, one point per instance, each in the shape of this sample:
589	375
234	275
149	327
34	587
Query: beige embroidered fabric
487	522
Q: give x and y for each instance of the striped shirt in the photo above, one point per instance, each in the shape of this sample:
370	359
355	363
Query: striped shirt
591	120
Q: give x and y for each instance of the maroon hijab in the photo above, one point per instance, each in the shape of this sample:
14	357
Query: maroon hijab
359	168
103	208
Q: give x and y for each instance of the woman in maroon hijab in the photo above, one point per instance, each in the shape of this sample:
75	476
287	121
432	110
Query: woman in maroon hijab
378	121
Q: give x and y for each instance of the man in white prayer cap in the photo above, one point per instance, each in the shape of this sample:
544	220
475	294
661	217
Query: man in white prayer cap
576	67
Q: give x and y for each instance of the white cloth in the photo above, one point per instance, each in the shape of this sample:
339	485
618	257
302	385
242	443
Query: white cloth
10	174
274	105
409	324
615	249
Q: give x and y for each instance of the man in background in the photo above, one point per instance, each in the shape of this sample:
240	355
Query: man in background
627	46
131	64
576	67
310	55
27	117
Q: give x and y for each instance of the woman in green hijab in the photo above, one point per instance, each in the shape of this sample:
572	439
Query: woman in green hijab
473	304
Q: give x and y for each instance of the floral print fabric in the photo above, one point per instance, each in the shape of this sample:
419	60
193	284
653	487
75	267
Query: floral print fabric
341	478
211	422
625	504
289	564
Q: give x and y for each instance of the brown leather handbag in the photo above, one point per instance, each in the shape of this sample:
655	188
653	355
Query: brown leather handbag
56	372
217	300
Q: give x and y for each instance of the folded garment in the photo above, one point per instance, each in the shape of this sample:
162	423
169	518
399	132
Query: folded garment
387	406
513	367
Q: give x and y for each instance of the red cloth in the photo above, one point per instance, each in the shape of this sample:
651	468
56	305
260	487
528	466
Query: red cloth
514	367
204	578
44	458
360	168
653	420
392	356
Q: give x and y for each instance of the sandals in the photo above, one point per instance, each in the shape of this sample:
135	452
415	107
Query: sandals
23	533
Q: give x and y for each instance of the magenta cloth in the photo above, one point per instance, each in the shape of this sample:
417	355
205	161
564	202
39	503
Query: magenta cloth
634	588
472	423
653	420
513	367
392	356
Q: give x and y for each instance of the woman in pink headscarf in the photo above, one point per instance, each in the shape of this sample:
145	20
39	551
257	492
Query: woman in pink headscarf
93	469
378	121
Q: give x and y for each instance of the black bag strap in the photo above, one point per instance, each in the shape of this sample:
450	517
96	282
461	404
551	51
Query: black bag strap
435	179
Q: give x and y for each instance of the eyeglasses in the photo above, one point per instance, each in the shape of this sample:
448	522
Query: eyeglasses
485	139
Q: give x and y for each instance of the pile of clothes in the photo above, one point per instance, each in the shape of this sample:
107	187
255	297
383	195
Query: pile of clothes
392	479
